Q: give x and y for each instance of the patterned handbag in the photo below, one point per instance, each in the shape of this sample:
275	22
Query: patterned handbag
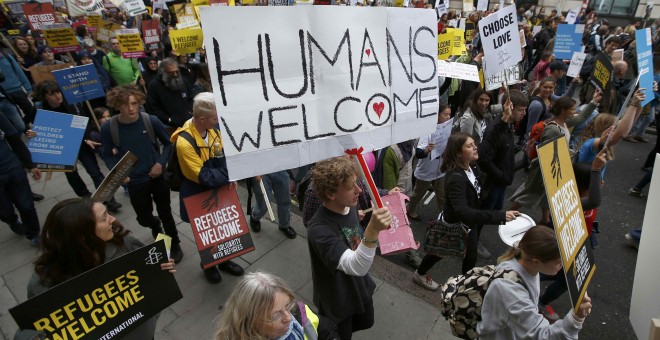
446	239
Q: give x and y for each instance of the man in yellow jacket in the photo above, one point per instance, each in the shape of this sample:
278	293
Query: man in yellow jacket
203	165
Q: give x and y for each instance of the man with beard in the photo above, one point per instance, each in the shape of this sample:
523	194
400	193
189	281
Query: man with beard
169	96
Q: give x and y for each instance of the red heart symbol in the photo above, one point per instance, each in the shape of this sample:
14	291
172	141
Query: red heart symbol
379	107
368	52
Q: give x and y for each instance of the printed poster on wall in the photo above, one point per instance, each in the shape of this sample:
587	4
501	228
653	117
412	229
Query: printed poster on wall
568	217
645	62
79	83
56	146
292	92
106	302
501	40
219	225
38	14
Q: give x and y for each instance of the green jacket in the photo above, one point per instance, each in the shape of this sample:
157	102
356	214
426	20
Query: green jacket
123	71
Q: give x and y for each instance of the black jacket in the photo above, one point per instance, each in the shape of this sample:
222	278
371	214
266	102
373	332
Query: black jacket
172	107
462	203
497	154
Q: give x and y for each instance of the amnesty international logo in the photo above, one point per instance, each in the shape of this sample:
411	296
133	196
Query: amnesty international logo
154	256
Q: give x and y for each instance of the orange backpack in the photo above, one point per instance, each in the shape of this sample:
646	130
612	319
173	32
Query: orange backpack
535	138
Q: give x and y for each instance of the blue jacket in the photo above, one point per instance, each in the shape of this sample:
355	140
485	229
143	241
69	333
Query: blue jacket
15	79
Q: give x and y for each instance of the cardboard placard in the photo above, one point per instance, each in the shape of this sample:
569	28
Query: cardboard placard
41	73
79	83
308	100
94	21
187	41
568	40
219	225
500	39
576	64
645	63
106	31
114	179
513	76
151	35
58	139
458	70
185	14
110	300
568	217
602	74
61	38
135	7
39	14
398	238
130	43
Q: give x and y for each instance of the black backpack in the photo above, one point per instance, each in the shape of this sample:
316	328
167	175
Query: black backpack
172	174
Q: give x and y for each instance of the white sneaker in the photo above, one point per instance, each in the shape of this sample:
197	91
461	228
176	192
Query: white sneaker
414	260
482	251
425	281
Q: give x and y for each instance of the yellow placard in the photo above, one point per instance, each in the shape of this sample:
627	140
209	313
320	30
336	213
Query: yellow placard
200	3
106	30
185	13
94	20
150	10
187	41
450	43
130	44
567	216
14	32
61	39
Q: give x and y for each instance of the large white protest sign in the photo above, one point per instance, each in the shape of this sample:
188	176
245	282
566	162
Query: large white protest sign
500	40
571	16
511	75
458	70
290	92
576	64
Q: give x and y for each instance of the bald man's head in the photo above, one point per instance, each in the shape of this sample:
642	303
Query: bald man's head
620	68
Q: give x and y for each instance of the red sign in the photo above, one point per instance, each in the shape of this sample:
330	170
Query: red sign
39	14
219	225
151	34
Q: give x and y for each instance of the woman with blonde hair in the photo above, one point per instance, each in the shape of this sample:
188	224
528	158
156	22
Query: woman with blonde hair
262	307
509	308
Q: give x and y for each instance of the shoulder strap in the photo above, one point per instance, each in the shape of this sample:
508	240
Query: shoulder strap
146	120
109	64
191	140
114	131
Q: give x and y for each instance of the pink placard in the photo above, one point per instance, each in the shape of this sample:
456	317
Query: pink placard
399	237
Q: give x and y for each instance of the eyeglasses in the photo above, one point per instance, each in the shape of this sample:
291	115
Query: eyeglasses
280	314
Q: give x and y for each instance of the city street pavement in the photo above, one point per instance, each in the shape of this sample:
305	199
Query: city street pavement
398	313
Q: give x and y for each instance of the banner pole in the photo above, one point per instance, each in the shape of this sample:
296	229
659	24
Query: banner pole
270	208
91	113
8	43
356	154
624	107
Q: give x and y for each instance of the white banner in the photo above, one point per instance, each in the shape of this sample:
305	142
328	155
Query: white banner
81	8
576	64
135	7
291	92
571	16
500	40
458	70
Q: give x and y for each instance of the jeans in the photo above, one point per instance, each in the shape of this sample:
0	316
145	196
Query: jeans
356	322
642	123
21	99
420	189
88	159
15	191
276	184
555	289
157	191
10	111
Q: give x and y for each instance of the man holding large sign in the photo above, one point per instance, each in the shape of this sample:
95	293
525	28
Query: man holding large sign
204	173
500	39
370	83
